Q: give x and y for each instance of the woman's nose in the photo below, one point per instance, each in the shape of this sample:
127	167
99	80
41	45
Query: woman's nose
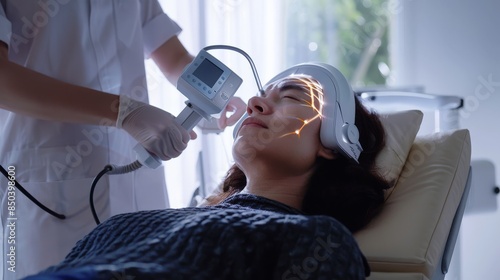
257	104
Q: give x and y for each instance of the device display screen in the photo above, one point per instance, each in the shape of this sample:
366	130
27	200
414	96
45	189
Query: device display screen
208	72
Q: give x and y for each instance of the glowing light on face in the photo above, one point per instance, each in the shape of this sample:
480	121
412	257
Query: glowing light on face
314	92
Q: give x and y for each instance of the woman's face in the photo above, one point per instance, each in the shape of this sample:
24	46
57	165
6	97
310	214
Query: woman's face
282	127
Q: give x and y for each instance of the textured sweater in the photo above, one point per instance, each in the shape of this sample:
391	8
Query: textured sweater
245	237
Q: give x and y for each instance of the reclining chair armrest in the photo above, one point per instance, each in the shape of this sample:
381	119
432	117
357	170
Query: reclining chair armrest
454	231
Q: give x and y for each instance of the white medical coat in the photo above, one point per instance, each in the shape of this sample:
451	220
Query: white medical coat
96	44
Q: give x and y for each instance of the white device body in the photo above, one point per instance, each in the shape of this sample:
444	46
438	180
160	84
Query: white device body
208	83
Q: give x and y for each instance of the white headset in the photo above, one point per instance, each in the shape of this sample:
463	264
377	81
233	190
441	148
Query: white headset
338	131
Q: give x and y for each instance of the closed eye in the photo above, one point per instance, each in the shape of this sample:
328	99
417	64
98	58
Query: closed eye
286	87
290	91
292	97
295	96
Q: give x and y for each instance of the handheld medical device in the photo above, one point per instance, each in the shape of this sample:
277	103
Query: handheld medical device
208	84
338	131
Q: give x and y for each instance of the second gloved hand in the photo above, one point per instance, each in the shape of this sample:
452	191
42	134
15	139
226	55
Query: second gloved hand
155	129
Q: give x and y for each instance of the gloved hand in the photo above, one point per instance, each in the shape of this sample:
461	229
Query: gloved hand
235	105
155	129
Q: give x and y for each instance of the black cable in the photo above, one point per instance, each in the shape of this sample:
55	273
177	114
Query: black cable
106	169
30	197
110	169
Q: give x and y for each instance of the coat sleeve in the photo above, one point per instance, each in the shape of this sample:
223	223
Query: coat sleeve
157	26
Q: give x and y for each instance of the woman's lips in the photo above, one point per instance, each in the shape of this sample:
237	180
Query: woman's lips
254	122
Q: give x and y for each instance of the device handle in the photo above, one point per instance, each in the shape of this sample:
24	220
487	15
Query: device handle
190	116
146	158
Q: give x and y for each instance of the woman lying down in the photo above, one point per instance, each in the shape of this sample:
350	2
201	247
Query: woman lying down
287	207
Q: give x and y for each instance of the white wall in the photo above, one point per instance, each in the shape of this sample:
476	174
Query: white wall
453	48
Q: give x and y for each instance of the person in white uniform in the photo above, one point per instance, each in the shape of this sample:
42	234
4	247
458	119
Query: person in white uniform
72	75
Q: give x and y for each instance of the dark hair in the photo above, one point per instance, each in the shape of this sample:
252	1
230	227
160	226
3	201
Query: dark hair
350	192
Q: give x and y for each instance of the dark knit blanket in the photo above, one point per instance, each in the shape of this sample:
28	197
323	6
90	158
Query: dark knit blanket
245	237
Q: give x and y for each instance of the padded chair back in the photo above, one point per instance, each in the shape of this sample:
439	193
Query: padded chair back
409	238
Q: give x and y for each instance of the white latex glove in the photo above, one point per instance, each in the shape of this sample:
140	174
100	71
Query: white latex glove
235	105
155	129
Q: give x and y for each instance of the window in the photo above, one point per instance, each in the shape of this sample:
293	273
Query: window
351	35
